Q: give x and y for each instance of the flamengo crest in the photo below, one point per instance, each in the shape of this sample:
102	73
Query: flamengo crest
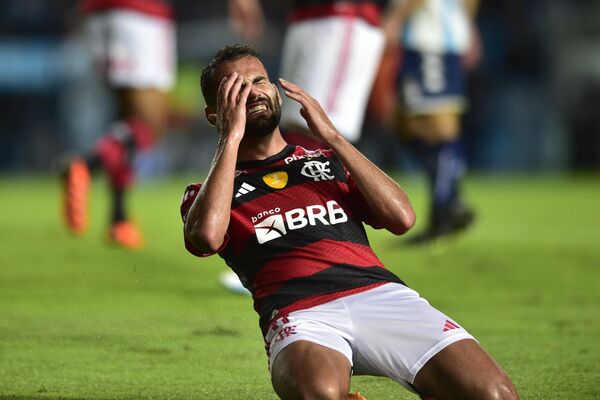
319	171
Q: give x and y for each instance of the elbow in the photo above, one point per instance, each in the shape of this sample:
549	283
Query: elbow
404	222
206	239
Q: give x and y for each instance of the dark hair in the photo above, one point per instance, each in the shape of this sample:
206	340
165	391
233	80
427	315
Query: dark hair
228	53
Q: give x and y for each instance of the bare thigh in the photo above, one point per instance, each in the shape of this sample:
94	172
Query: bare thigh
439	127
306	370
150	105
464	370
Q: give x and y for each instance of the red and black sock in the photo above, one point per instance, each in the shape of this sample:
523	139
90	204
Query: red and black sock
115	153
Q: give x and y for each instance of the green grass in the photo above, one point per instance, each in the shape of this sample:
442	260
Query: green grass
83	320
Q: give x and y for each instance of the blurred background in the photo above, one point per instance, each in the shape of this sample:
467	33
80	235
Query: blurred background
533	98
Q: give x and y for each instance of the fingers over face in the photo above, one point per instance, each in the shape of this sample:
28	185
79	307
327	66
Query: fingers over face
245	93
235	90
221	90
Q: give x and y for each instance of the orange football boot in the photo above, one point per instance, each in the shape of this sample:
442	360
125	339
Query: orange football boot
356	396
76	191
126	234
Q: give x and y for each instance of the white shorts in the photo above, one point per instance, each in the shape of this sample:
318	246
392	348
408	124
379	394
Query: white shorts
335	60
388	331
133	49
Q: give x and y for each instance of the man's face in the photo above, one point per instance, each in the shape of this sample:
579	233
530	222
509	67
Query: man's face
263	107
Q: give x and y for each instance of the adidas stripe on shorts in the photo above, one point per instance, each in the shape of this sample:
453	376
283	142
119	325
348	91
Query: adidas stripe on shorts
386	331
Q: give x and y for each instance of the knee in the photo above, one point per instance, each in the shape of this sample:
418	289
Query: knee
327	391
499	389
319	390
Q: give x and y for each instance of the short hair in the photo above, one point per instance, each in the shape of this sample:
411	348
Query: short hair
228	53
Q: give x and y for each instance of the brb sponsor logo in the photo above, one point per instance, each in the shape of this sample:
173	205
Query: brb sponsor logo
276	224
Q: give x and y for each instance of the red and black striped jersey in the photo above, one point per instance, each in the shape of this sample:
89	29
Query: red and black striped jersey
296	237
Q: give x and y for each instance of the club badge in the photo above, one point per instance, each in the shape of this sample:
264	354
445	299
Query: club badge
276	180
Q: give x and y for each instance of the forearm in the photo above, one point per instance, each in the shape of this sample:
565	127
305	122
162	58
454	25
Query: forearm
388	201
208	217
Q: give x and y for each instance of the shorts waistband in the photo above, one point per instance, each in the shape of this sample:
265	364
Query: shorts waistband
369	12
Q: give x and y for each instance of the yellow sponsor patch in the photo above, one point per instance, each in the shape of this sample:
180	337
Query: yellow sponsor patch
276	180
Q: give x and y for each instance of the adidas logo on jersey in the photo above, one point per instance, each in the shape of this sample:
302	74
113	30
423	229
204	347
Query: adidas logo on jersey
278	225
244	189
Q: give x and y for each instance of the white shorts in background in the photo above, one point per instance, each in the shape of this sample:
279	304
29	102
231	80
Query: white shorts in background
133	49
388	331
335	59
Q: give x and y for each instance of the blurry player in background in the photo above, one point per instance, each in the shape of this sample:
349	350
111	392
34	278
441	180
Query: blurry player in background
133	45
439	40
332	50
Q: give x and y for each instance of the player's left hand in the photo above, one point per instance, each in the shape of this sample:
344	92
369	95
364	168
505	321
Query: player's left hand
318	122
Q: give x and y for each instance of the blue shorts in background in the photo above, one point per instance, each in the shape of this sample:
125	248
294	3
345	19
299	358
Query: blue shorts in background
428	82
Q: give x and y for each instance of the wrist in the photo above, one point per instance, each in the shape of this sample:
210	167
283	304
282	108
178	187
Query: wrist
333	138
229	141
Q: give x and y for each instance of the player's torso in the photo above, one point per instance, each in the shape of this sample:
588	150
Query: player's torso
287	206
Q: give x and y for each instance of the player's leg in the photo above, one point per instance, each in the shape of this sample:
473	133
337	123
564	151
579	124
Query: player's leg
135	53
435	139
401	336
310	353
306	370
464	370
141	124
433	102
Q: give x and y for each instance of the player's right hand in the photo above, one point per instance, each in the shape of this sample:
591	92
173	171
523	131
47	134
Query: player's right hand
231	107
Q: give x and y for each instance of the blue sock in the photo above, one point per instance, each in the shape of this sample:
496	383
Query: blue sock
445	167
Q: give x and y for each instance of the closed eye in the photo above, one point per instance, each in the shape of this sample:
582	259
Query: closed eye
259	80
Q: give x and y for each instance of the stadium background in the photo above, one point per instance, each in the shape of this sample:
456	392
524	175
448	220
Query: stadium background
82	320
543	54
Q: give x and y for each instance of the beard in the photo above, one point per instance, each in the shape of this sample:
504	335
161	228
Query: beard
265	124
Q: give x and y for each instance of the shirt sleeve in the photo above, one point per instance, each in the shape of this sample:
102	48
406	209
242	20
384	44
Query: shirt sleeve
190	194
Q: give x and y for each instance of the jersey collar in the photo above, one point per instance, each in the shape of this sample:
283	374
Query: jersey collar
287	150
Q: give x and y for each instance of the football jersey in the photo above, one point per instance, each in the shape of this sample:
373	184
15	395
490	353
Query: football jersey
295	236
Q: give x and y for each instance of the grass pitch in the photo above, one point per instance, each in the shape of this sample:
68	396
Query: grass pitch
83	320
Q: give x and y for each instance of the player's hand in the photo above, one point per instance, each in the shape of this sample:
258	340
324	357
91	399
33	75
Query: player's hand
231	107
318	122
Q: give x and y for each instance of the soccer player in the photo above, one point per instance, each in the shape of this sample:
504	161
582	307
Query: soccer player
437	41
289	221
133	46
